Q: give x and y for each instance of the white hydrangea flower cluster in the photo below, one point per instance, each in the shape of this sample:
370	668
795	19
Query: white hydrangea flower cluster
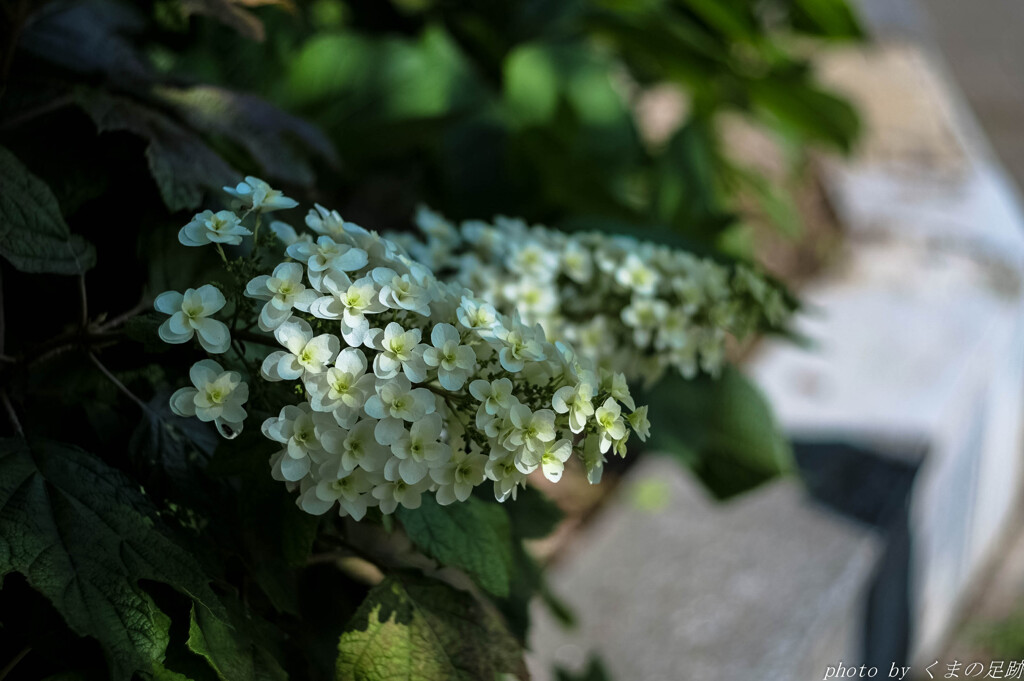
635	307
391	384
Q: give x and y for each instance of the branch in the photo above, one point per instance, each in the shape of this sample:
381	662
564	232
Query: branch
120	386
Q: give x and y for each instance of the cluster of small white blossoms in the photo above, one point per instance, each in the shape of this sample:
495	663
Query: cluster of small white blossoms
635	307
399	385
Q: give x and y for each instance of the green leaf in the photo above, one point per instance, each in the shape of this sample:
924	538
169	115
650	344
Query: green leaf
533	515
472	535
722	428
183	166
805	111
531	84
420	629
229	651
276	140
33	234
83	535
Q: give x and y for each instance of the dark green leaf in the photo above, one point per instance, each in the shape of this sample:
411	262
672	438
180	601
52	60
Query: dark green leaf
183	166
84	536
472	535
229	651
33	235
533	515
723	428
803	110
419	629
278	141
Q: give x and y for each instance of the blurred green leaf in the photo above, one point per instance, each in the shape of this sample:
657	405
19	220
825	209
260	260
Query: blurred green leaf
721	427
804	110
33	234
232	654
531	84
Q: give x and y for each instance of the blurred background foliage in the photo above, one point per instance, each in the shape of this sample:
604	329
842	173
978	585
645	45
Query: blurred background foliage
540	109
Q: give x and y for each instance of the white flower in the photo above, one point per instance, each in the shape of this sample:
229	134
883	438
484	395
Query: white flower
397	399
287	234
348	301
190	315
610	427
454	361
518	345
283	290
305	354
644	316
593	459
496	395
300	430
551	459
458	477
530	429
343	388
327	222
222	227
577	263
358	447
535	261
218	396
637	275
326	255
417	451
574	400
639	423
349	491
501	468
401	350
260	196
391	494
616	386
478	316
402	292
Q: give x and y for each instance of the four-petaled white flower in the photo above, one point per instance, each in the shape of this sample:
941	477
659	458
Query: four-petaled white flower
343	388
576	401
300	430
218	396
348	491
350	301
639	423
391	494
477	316
417	451
610	427
518	345
283	290
402	292
396	398
454	362
400	350
457	478
357	447
305	355
190	314
551	459
260	196
222	227
496	395
530	429
326	255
